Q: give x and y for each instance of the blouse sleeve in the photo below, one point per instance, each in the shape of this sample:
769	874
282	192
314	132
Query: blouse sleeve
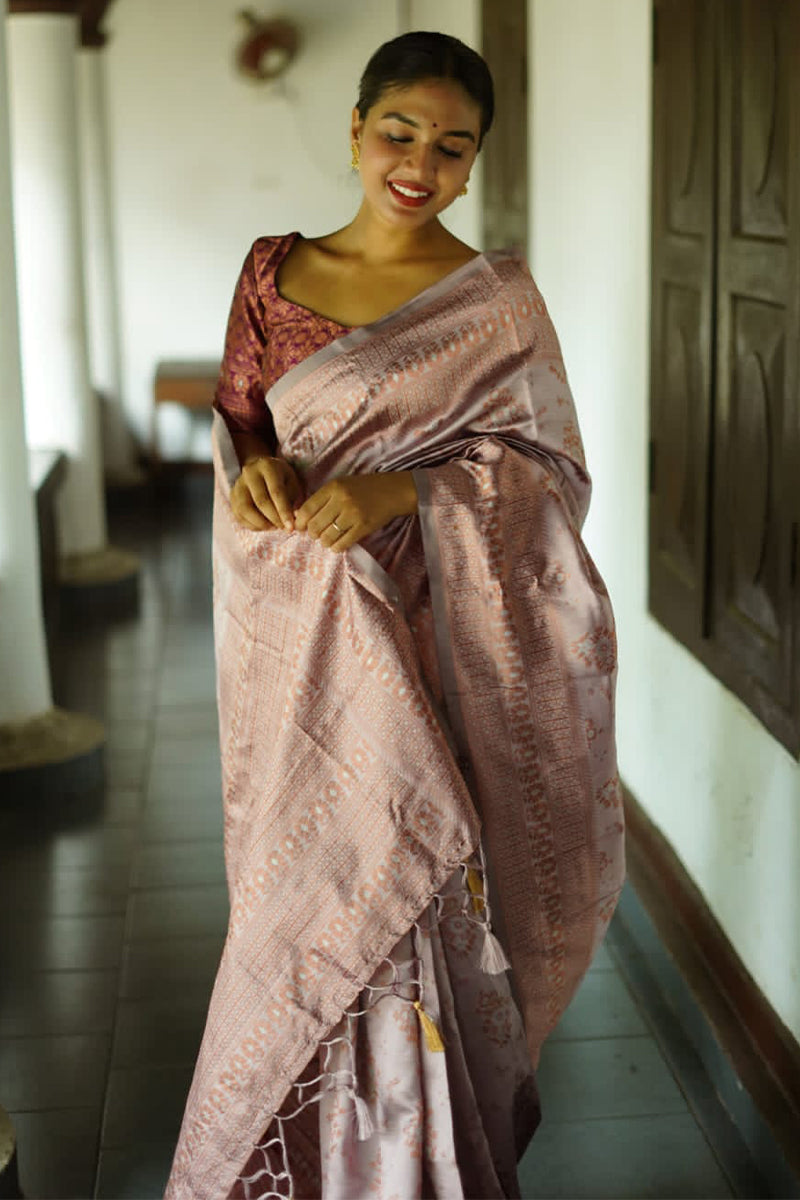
240	390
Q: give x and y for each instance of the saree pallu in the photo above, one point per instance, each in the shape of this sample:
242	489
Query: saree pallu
445	686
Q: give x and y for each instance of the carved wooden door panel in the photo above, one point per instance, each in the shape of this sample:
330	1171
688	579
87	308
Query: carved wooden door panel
725	344
505	155
757	469
682	310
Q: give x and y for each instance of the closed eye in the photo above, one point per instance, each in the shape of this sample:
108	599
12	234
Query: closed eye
390	137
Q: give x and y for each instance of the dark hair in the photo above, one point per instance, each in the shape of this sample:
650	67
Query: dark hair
414	57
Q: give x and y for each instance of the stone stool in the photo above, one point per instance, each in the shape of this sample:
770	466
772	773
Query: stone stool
9	1183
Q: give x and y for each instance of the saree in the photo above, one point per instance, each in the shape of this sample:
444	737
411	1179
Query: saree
438	699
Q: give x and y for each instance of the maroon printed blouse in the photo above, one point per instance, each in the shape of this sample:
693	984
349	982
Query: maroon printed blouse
267	336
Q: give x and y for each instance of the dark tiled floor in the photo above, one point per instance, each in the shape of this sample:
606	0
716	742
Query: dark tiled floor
114	910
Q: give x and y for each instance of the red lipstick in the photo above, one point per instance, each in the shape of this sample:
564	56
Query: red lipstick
413	195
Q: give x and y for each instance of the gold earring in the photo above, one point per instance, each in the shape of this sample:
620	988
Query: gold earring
355	157
463	191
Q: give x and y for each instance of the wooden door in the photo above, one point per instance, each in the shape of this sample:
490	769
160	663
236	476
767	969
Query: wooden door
757	469
682	311
505	152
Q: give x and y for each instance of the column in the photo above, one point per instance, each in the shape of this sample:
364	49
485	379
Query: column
60	409
33	734
99	259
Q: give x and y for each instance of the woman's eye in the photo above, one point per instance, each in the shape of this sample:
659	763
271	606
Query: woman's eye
450	153
390	137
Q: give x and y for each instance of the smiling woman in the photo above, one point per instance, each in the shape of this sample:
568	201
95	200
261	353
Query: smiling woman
416	666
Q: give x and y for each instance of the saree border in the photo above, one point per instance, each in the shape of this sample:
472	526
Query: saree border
362	333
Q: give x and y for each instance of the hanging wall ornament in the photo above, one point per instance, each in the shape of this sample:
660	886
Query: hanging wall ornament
268	46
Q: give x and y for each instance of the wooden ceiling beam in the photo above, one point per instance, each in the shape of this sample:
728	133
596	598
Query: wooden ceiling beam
91	13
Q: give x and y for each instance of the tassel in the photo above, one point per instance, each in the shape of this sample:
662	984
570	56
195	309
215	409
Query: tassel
475	885
493	956
364	1126
430	1030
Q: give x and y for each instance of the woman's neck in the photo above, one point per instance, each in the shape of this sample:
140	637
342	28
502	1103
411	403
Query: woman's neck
374	241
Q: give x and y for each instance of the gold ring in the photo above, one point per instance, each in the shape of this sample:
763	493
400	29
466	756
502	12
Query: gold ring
337	527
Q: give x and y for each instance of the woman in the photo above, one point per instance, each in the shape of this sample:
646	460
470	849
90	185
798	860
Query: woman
416	665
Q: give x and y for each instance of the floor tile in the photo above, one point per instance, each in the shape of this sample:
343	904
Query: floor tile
201	752
38	888
58	1002
145	1104
96	846
182	819
188	685
610	1077
163	1032
185	783
57	1152
126	768
152	969
137	1172
626	1159
129	735
603	960
178	912
188	720
49	943
123	803
603	1007
53	1072
179	864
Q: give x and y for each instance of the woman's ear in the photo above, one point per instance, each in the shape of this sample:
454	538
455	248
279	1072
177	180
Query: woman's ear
356	125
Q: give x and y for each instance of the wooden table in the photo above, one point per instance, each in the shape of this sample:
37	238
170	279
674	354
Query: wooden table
190	383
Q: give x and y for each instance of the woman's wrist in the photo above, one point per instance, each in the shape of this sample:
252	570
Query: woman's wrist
251	446
407	493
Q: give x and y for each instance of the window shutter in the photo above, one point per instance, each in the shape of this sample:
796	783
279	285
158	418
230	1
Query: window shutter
757	470
682	312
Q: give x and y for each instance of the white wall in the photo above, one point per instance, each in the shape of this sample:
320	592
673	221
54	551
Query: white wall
203	161
461	19
24	673
723	791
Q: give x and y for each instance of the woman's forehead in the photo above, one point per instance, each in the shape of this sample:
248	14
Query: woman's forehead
440	102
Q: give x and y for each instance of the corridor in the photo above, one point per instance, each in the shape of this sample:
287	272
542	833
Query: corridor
115	912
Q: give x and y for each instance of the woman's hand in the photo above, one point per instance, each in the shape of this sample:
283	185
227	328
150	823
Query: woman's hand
264	494
345	510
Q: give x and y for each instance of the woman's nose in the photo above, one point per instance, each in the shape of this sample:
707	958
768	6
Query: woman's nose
420	157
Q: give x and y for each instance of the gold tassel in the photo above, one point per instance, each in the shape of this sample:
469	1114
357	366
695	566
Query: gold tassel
475	885
430	1030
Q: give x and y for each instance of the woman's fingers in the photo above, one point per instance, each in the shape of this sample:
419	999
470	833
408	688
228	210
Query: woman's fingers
282	487
307	518
245	510
258	492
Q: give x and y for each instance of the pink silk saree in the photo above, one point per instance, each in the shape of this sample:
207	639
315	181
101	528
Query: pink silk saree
443	689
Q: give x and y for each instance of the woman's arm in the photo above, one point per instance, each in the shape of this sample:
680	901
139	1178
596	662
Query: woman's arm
267	488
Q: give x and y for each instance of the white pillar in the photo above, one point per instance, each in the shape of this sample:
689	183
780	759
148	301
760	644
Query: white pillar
99	258
24	674
60	410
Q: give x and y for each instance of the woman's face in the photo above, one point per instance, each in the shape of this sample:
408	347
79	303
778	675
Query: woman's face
417	146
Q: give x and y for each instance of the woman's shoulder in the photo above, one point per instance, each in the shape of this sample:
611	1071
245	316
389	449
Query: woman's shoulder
513	274
267	253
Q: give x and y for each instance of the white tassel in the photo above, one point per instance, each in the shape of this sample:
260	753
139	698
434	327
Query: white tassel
493	956
364	1126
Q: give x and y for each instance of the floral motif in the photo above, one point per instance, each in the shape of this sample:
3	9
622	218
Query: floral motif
496	1016
610	794
597	649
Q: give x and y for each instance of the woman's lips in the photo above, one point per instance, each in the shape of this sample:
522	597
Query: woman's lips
410	195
